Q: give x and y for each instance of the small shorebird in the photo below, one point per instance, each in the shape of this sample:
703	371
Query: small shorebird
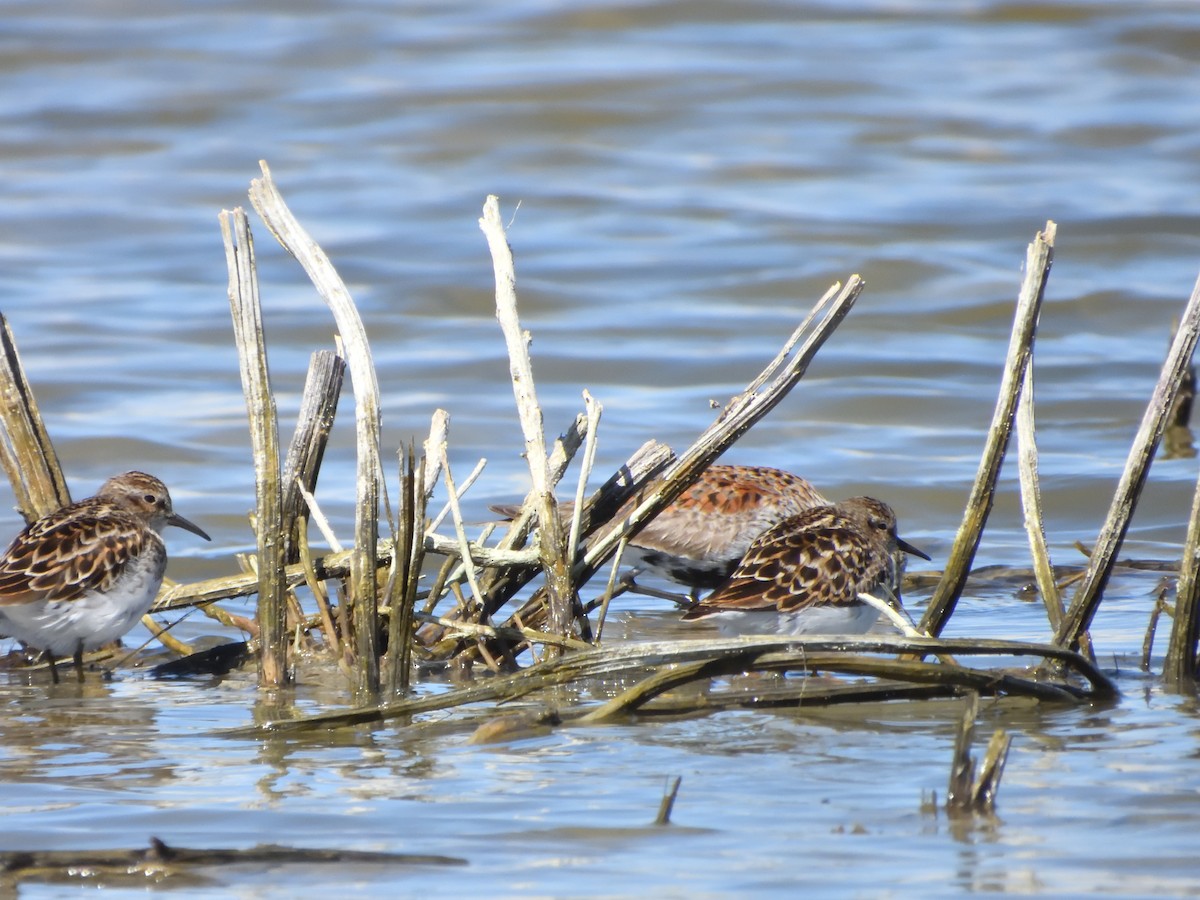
698	539
829	570
82	576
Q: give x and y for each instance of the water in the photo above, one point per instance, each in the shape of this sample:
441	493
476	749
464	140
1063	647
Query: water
682	180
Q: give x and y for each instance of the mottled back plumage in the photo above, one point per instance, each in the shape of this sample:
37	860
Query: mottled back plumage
824	558
698	539
81	576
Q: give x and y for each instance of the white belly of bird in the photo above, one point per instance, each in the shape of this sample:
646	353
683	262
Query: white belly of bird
854	619
93	620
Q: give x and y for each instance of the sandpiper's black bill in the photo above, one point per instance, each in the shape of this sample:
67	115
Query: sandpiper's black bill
911	550
180	521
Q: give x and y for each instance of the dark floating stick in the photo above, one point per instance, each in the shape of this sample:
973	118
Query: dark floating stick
159	859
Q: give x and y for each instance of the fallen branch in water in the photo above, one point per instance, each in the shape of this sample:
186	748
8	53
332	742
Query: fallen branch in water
641	659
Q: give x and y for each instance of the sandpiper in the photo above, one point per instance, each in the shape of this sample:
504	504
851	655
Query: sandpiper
83	575
698	540
829	570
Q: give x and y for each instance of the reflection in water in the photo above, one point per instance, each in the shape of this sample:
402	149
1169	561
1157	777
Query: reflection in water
79	736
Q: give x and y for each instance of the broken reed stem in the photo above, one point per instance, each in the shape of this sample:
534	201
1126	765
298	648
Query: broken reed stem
668	801
1031	502
406	571
1104	555
1038	259
551	541
26	453
972	790
1179	669
264	441
594	410
362	599
962	765
318	408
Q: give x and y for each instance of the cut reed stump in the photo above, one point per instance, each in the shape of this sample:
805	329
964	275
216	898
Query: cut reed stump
264	440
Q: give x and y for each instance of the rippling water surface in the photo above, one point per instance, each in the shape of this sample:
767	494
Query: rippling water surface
682	180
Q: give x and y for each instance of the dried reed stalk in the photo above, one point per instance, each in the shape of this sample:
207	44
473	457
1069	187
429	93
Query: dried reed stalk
1031	502
1179	669
264	441
552	543
362	599
1103	558
318	409
406	571
1038	258
26	453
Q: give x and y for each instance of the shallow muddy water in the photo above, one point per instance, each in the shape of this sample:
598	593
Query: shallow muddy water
681	181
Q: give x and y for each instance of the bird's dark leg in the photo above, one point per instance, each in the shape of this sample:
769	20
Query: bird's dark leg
79	662
49	658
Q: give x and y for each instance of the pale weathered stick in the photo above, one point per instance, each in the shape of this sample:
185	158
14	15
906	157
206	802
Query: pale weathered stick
1038	259
363	581
264	441
1031	501
26	453
460	533
551	542
594	411
460	489
1104	555
439	427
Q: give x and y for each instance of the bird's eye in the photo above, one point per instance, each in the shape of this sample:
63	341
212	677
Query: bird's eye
150	498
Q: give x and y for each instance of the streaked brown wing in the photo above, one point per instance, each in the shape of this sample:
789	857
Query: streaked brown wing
816	557
67	554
